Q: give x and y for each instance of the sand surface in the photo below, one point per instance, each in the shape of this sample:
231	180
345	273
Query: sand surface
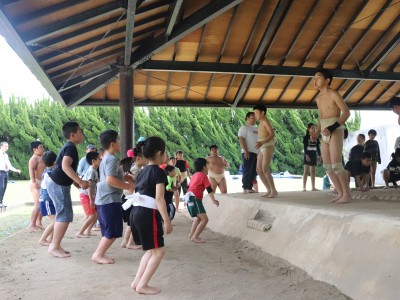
222	268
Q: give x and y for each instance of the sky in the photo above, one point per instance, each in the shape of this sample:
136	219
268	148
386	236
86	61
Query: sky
16	79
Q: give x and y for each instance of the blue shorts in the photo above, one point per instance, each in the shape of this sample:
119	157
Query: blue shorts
110	219
47	208
147	227
46	205
61	196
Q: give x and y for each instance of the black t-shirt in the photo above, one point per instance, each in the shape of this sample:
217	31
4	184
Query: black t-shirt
148	178
311	147
168	196
372	147
394	167
356	152
58	175
181	165
356	168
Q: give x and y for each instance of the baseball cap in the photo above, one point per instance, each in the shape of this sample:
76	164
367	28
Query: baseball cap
90	146
141	139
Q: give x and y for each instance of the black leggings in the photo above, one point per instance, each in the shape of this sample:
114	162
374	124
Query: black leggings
184	187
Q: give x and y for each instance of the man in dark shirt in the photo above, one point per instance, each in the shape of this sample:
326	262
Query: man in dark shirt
392	171
360	170
357	150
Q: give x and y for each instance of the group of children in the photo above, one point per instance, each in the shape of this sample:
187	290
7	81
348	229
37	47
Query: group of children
146	189
361	164
363	160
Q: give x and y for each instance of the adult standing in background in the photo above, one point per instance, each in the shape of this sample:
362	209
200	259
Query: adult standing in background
248	136
83	165
357	150
395	106
5	166
183	166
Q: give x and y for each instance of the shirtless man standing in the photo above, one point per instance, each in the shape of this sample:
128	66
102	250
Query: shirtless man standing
36	168
333	113
266	144
216	170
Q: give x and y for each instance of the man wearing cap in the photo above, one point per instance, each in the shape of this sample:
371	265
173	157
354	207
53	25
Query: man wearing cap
83	164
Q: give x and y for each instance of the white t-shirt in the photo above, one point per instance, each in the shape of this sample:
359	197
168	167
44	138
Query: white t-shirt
397	143
250	135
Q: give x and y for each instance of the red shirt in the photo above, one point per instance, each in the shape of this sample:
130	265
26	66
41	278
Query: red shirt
198	183
163	166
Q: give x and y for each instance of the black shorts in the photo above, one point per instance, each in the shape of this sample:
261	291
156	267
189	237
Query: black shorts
110	219
146	225
313	161
394	177
126	213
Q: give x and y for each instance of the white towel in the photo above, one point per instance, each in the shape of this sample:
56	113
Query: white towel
187	196
139	200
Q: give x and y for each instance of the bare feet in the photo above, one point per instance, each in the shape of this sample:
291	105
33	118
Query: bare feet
102	260
147	290
65	251
337	198
304	190
123	244
33	228
273	195
110	258
197	240
59	252
44	243
40	226
333	194
134	247
90	234
80	235
343	200
266	194
315	190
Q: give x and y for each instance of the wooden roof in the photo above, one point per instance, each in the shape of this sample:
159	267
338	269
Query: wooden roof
225	53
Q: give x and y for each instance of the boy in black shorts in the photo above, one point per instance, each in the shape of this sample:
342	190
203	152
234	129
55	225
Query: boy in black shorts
360	170
108	196
392	172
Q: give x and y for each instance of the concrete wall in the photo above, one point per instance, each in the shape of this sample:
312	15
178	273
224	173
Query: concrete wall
357	252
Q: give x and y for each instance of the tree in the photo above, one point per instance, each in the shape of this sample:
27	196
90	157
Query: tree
191	130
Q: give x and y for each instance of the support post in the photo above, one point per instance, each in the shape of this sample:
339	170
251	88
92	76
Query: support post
126	120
